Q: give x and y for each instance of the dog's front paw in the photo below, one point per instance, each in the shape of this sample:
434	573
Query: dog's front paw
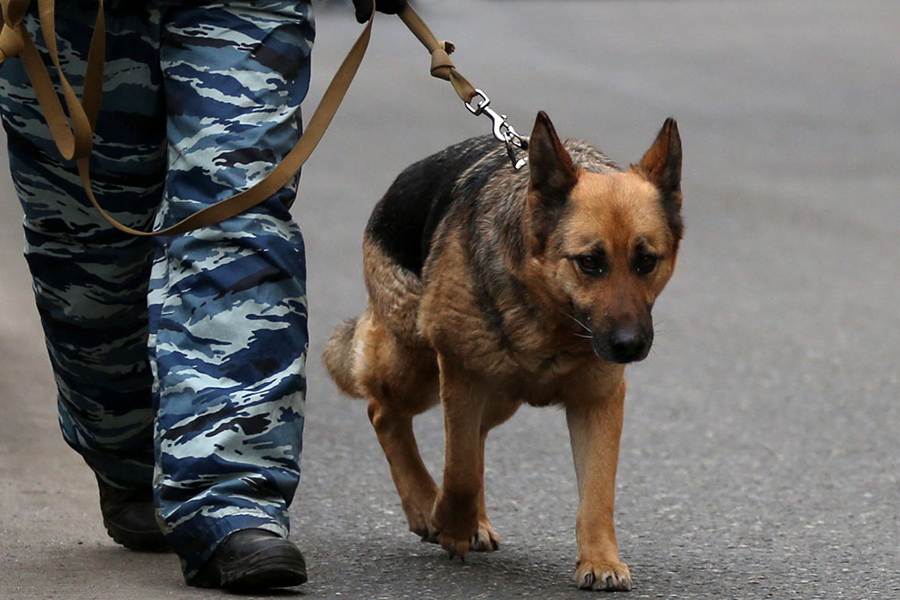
456	520
454	546
485	539
603	575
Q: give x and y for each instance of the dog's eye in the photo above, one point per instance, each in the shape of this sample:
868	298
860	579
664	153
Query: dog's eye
591	264
646	264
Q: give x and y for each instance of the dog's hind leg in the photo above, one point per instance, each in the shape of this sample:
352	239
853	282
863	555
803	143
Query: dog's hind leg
401	382
414	484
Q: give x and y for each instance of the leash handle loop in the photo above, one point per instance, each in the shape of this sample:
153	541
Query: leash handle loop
76	141
79	141
14	12
277	177
11	43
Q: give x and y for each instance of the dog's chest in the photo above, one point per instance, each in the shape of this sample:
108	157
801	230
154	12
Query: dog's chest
535	379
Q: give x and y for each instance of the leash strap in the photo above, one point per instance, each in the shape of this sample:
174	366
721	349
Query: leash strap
75	140
281	174
475	100
72	142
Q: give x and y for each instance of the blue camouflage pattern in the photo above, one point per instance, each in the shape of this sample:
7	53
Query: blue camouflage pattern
179	361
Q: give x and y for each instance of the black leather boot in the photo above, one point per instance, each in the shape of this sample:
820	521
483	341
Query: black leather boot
130	519
253	559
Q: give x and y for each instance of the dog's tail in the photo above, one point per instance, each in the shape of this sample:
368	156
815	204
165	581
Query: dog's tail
339	358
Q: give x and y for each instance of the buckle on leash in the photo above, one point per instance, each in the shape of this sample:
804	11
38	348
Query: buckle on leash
501	128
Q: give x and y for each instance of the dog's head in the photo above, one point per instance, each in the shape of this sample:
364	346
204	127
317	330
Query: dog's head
604	245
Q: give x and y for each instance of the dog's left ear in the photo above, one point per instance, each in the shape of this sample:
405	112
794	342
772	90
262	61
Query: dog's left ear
661	165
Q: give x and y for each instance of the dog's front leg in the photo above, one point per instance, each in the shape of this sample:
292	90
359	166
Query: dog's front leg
595	427
456	511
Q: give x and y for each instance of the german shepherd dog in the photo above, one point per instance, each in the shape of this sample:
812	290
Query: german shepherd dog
490	288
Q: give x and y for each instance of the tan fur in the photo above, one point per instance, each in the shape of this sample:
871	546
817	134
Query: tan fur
338	357
425	340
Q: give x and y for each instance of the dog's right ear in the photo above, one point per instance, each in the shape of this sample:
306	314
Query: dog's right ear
553	174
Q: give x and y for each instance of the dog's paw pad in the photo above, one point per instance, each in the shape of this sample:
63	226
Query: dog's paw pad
603	576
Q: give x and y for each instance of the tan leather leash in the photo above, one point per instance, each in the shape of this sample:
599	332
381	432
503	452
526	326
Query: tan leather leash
75	142
443	68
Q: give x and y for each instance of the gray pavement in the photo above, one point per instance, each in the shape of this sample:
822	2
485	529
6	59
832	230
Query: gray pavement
761	453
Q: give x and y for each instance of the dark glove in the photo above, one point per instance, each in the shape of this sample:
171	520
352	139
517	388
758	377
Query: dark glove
364	8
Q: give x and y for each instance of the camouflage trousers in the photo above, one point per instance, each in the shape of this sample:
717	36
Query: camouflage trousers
180	362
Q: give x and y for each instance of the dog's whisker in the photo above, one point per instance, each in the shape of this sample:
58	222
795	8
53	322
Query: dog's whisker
578	321
659	327
581	335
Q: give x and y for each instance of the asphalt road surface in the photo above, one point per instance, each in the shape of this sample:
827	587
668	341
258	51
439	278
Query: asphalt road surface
761	452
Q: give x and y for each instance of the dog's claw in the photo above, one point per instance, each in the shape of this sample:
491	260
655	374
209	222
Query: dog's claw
453	555
485	539
587	582
609	576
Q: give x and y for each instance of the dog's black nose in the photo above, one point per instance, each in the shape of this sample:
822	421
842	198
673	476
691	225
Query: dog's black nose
628	343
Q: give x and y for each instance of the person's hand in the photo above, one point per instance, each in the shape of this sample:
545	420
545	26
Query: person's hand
364	8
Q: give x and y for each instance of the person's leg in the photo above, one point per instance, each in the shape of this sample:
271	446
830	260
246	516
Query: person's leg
228	306
90	282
